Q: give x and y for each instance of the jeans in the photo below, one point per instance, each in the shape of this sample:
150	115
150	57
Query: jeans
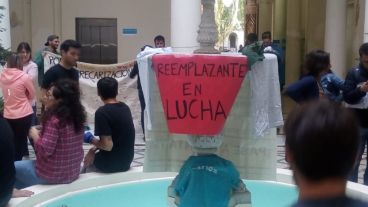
26	175
363	142
33	123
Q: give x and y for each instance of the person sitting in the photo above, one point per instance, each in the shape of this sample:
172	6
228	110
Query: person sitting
7	172
198	179
321	146
59	144
114	150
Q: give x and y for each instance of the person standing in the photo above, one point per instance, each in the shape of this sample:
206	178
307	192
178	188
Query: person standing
70	51
51	45
18	91
355	91
30	68
270	47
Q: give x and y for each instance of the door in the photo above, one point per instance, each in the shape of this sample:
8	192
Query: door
99	40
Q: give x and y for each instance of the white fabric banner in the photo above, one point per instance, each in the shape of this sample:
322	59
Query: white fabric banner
89	74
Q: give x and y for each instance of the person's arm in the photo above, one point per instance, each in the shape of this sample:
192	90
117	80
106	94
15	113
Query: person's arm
352	94
45	86
134	71
103	130
33	72
21	193
45	146
44	96
28	84
39	59
104	143
296	90
40	66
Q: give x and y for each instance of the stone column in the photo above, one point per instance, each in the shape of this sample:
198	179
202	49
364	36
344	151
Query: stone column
294	37
365	38
207	34
335	35
5	40
185	19
251	17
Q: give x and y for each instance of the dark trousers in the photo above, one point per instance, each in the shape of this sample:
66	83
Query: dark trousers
143	106
363	143
20	129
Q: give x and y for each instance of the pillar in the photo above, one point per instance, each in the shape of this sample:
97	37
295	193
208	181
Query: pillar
5	40
185	20
335	35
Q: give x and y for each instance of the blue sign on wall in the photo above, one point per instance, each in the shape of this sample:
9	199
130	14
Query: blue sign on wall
130	31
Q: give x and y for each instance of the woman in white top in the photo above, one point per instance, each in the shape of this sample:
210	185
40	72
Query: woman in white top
29	67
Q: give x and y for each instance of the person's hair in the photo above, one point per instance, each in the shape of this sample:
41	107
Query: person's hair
107	87
266	34
67	44
14	61
322	140
316	61
363	50
252	37
159	38
25	46
68	108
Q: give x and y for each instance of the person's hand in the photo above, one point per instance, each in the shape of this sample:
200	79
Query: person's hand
21	193
364	87
34	134
89	158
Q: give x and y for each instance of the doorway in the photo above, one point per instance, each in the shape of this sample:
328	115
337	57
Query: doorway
98	37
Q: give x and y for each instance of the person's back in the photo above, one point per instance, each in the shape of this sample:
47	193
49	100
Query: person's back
342	201
59	144
18	91
115	128
332	86
206	180
115	120
59	152
7	170
303	90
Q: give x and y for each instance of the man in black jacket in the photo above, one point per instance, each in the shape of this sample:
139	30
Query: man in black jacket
355	92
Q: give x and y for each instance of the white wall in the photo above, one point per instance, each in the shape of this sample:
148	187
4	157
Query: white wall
39	18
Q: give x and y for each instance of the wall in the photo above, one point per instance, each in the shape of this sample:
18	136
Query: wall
39	18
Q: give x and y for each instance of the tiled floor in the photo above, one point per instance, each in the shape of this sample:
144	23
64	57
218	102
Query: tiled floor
140	148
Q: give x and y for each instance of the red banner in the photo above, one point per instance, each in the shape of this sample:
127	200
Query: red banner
198	91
